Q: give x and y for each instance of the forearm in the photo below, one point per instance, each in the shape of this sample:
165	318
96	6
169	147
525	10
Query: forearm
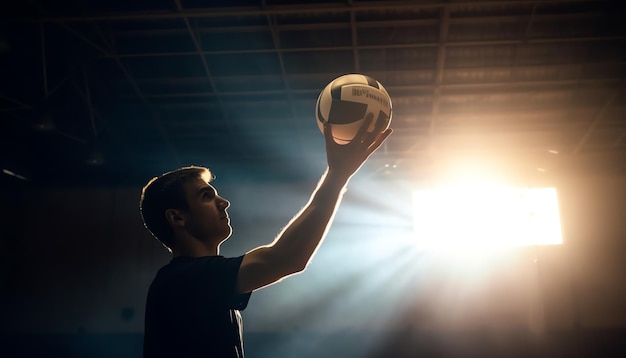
292	249
299	240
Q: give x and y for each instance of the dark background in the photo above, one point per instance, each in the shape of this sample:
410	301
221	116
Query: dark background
77	264
97	97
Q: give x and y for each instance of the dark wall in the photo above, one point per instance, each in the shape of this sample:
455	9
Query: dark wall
77	264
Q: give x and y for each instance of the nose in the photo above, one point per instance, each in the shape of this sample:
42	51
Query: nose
224	203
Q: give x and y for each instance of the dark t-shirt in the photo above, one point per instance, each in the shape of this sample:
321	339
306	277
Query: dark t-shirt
193	307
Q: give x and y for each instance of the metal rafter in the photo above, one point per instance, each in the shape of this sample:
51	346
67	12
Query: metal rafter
207	71
133	83
525	35
551	66
122	143
539	159
598	118
355	41
436	94
271	23
49	92
291	9
529	85
437	89
364	24
440	68
381	47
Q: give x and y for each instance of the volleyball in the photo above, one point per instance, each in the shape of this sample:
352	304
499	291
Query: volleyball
347	100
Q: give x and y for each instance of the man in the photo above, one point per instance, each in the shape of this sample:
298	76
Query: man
193	303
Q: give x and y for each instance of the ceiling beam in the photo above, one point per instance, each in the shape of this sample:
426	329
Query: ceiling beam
205	66
496	86
360	24
271	23
375	47
440	68
291	9
354	38
552	66
598	118
133	83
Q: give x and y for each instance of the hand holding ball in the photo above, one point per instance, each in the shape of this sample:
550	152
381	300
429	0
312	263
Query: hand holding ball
345	102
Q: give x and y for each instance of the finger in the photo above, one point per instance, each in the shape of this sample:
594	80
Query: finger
328	135
361	135
380	139
380	125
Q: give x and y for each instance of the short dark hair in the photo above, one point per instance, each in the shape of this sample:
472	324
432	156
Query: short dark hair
167	192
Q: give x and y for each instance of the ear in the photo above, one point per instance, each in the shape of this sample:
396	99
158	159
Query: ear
175	217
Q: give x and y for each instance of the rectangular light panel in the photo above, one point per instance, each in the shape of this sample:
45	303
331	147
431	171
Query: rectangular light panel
474	217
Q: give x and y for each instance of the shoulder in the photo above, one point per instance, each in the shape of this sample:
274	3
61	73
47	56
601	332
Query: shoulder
211	278
213	268
209	264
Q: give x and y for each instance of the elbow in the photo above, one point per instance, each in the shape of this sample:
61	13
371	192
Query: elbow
302	267
296	267
290	262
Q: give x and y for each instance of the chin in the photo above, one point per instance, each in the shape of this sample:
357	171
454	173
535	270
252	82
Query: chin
227	236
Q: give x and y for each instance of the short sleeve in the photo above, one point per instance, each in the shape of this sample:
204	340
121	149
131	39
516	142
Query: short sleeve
236	300
192	309
214	279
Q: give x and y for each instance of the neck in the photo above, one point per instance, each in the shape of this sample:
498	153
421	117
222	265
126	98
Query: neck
192	247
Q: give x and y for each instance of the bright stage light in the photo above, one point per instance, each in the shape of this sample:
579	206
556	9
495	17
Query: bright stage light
474	216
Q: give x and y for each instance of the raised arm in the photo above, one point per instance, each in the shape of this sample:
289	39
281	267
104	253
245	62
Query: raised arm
295	245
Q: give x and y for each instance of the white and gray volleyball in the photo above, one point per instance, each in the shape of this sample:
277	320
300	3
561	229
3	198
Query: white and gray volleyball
345	102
